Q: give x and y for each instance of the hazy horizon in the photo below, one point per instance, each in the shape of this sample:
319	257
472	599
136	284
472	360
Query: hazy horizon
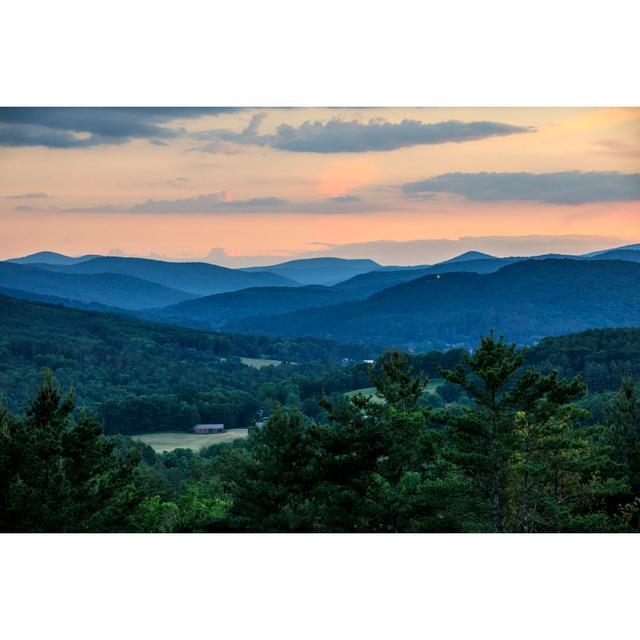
440	249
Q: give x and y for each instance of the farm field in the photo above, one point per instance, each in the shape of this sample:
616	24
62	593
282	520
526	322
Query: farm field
168	441
371	391
258	363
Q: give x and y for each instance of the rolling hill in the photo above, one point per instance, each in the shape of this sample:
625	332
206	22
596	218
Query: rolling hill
526	300
631	255
65	302
198	278
366	284
51	257
326	271
468	255
114	290
212	312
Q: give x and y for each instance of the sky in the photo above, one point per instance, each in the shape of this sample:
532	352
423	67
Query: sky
249	186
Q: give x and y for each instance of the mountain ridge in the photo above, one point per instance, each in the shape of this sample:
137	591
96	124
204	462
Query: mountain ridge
527	300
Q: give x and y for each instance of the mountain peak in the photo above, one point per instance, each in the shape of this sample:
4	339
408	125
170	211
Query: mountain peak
51	257
468	255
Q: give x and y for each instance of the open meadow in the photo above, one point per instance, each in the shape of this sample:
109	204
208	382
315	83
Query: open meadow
168	441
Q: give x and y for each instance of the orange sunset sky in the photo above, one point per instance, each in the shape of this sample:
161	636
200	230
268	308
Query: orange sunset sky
257	186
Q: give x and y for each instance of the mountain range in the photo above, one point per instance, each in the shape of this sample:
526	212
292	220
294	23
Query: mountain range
197	278
525	301
361	301
111	289
325	271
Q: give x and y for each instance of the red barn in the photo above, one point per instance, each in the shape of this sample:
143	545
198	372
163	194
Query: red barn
208	428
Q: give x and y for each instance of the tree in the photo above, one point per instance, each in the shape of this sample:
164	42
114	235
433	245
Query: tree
382	468
520	443
271	483
395	380
61	474
622	432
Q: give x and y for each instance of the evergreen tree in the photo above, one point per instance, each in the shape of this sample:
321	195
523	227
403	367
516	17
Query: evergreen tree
383	468
271	483
532	466
622	423
59	474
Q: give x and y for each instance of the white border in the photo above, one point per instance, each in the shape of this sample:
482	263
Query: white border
334	52
325	587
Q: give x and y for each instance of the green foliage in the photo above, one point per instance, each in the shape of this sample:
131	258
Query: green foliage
513	450
59	474
600	356
143	377
395	381
534	467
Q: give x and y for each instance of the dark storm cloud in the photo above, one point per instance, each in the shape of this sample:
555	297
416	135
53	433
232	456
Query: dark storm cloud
339	136
564	187
62	127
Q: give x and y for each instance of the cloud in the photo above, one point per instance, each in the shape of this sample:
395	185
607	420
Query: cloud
340	136
28	196
565	187
101	208
80	127
207	203
221	203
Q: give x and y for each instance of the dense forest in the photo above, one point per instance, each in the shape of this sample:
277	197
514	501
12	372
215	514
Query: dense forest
140	376
496	438
519	456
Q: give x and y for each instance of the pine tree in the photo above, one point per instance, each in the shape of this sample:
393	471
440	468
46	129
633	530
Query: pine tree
59	474
622	424
520	442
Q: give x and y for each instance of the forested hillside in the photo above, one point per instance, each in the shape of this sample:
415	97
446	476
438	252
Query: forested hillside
213	312
526	301
115	290
141	376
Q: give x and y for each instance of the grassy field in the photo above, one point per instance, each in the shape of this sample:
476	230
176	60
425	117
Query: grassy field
370	392
367	392
258	363
168	441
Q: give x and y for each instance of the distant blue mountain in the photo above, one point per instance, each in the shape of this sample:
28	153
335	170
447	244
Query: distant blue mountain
114	290
469	255
631	247
326	271
198	278
65	302
51	257
631	255
212	312
526	300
